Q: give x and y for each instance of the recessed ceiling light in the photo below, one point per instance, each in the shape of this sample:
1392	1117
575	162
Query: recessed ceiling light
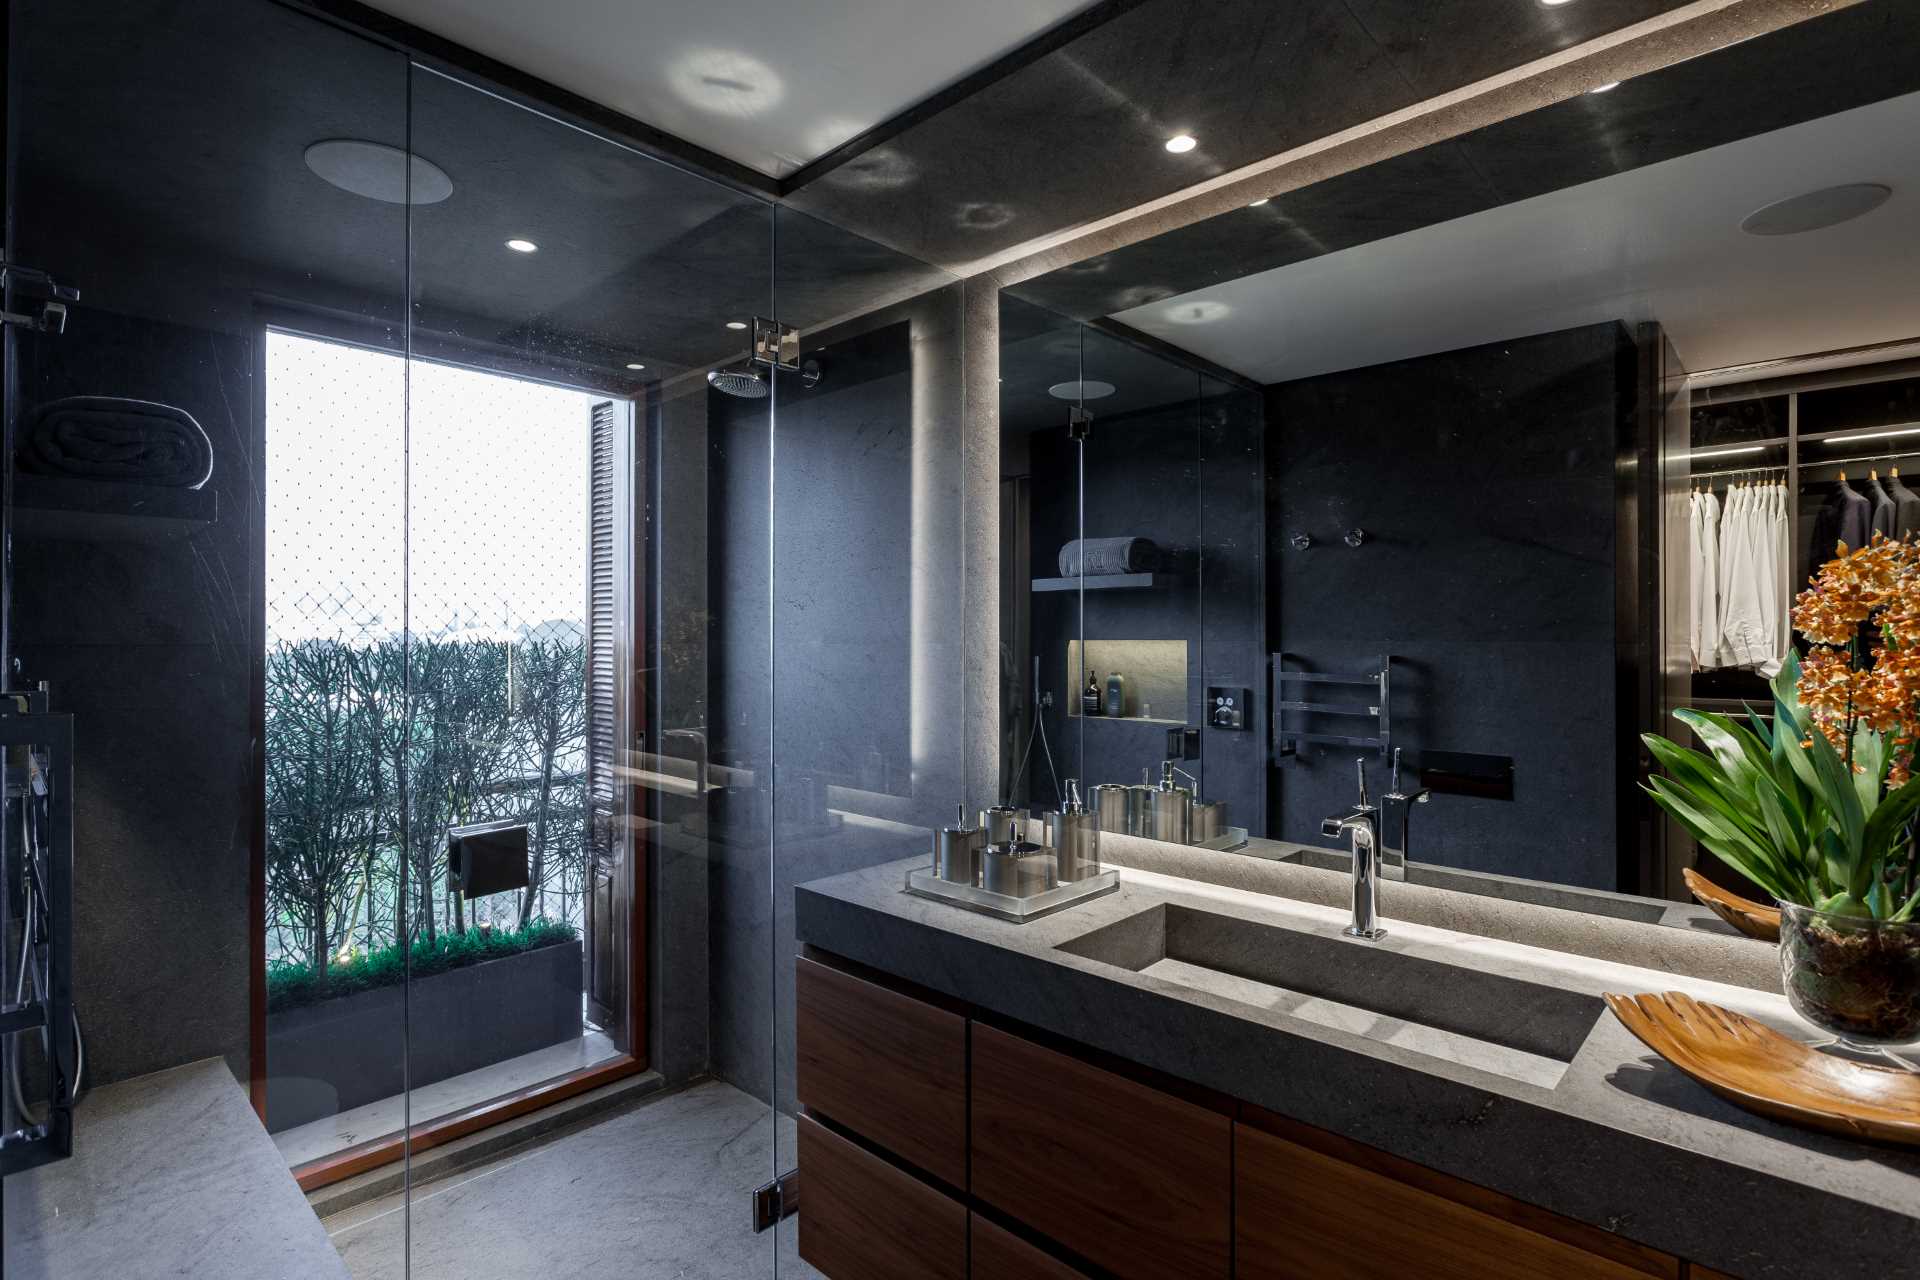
1554	4
378	171
1181	143
1089	389
1608	87
522	246
636	366
1826	207
736	324
1257	203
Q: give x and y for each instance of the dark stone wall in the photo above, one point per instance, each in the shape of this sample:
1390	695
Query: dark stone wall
148	641
1188	476
1484	480
859	698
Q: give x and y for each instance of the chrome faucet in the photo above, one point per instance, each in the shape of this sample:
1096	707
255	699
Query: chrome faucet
1361	824
1396	814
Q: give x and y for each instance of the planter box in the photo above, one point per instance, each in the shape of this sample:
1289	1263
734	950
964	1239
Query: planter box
330	1057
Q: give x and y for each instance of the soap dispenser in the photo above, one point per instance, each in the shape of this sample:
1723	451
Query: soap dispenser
1074	836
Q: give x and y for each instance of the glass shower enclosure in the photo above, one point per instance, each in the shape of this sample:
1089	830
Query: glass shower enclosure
470	642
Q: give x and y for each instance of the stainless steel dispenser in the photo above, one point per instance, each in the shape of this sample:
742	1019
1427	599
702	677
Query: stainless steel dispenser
956	851
1170	807
1004	824
1110	806
1074	836
1140	808
1016	868
1208	821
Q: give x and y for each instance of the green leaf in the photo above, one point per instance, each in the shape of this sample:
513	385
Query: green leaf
1724	840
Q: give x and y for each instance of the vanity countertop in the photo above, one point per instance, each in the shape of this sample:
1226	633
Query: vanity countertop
1614	1137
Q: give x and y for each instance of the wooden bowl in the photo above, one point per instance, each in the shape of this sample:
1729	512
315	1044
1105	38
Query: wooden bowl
1744	914
1753	1066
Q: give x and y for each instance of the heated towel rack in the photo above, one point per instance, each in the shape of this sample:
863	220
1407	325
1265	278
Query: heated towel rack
1376	707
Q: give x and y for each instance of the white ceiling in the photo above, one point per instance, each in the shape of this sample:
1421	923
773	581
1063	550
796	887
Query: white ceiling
770	85
1662	242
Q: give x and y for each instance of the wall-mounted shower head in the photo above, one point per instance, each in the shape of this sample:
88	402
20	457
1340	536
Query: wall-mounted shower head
745	383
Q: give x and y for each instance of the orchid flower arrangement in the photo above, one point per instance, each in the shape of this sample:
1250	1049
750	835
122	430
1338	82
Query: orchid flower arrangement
1817	806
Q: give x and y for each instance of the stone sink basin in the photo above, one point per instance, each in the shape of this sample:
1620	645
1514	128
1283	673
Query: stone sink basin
1523	1030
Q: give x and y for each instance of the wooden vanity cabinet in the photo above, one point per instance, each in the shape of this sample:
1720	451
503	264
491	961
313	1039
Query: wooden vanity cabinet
1309	1205
884	1064
925	1129
865	1219
1133	1179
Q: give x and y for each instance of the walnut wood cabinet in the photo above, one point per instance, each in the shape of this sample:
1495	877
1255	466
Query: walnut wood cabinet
928	1131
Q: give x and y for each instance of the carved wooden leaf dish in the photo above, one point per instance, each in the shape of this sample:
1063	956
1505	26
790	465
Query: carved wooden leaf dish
1752	1065
1744	914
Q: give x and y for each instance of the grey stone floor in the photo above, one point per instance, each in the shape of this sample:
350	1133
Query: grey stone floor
659	1191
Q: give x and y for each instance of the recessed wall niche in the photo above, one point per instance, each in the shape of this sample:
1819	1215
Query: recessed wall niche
1155	673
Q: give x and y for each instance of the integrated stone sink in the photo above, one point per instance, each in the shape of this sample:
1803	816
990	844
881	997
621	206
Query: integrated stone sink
1524	1030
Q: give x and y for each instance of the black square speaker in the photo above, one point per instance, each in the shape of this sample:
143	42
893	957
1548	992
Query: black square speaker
487	857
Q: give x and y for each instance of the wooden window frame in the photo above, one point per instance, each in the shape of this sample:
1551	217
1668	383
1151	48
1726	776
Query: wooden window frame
390	1148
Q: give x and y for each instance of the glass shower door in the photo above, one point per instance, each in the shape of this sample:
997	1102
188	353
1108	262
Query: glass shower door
590	754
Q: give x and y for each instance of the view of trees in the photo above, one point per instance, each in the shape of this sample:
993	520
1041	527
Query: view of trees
375	749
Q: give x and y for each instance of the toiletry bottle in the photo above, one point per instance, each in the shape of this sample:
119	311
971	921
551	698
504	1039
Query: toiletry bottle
1116	694
1090	704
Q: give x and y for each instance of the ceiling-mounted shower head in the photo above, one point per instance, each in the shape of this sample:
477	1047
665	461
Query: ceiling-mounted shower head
745	383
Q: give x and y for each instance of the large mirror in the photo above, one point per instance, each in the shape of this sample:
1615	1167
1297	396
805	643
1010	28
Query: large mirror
1480	461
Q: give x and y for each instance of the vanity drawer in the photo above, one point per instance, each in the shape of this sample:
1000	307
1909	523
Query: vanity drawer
863	1219
1136	1181
889	1067
1306	1214
998	1254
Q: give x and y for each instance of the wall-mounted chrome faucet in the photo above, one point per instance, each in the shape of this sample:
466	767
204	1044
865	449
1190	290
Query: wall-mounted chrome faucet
1396	816
1361	824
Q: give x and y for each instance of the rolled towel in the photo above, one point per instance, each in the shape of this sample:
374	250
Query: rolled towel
1108	555
109	438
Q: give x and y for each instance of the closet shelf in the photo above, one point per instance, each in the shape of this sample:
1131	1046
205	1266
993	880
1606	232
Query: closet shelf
106	511
1106	582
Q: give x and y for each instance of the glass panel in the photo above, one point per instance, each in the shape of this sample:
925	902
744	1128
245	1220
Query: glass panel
181	604
589	824
868	539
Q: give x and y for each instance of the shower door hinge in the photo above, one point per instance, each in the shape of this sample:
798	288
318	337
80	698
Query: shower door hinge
778	1199
35	283
775	345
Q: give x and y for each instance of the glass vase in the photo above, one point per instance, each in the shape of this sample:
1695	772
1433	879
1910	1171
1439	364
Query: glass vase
1855	977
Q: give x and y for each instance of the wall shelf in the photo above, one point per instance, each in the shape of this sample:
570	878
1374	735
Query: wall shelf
107	511
1106	582
1075	715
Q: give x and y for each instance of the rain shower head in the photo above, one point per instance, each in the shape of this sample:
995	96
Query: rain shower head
745	383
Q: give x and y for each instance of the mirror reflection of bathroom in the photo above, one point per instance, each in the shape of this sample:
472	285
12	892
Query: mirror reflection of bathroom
1397	466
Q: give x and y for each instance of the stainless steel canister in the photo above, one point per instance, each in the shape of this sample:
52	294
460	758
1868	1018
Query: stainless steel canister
1004	824
1140	810
1170	813
1110	806
1075	841
1016	868
1209	819
956	853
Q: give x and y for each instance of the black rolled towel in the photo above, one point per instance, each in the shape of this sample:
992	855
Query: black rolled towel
110	438
1108	555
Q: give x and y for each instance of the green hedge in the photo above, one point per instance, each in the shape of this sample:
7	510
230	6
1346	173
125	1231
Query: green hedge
291	984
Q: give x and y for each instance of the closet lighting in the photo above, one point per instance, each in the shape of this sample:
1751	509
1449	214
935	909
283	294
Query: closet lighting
1872	435
1727	453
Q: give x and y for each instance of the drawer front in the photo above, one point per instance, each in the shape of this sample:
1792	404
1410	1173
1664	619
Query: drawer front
863	1219
1000	1255
887	1066
1134	1180
1303	1215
